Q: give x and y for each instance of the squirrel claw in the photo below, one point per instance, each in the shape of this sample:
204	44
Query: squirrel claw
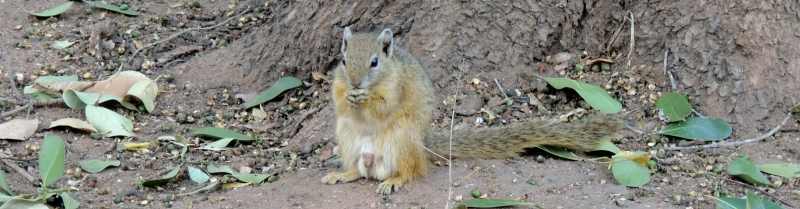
356	96
387	187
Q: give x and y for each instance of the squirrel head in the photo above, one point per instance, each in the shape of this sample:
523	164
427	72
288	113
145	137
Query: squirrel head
364	56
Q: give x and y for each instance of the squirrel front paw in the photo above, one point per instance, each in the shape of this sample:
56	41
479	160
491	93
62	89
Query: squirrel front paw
356	96
336	177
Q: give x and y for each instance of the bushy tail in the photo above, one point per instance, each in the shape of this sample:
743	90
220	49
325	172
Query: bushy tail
511	140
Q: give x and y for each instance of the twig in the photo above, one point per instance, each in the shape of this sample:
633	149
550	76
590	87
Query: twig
178	34
633	41
616	35
450	145
669	73
736	143
15	111
502	90
29	106
759	190
19	170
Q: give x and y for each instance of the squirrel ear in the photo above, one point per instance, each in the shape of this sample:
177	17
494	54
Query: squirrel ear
387	39
346	35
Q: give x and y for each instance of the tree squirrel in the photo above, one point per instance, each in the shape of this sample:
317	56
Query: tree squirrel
383	102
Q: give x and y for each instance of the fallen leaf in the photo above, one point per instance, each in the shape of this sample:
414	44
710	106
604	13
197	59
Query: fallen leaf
701	129
197	175
62	44
234	185
560	152
597	97
4	188
786	170
220	133
73	123
273	91
119	85
107	122
675	106
218	145
51	159
163	179
23	204
95	166
493	203
145	92
18	129
135	147
743	168
53	11
69	202
124	9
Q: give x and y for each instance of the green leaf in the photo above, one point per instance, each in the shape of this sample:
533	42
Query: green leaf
560	152
5	197
197	175
786	170
220	133
5	189
493	203
23	204
250	177
78	100
675	106
163	179
700	129
51	159
62	44
95	166
273	91
244	177
724	202
594	95
746	170
758	202
107	122
214	168
69	202
218	145
145	91
53	11
607	145
629	173
118	9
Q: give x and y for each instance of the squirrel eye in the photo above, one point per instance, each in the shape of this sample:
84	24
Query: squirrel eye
374	62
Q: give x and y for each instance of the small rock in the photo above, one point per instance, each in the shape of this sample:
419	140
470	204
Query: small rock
539	158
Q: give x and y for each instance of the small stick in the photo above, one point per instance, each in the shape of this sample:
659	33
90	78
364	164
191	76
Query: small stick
669	73
633	41
760	191
616	35
502	91
176	35
736	143
19	170
450	145
29	107
15	111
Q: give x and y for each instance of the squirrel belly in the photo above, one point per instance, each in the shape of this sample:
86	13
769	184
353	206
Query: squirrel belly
512	140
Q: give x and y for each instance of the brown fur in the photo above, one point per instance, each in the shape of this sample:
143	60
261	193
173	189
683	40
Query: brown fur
383	117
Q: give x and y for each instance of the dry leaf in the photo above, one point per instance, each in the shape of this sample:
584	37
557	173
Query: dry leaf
132	146
73	123
118	84
18	129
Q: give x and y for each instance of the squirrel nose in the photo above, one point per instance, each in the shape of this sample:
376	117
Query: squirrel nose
356	84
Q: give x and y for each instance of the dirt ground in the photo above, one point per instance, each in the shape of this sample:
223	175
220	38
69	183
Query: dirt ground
736	60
